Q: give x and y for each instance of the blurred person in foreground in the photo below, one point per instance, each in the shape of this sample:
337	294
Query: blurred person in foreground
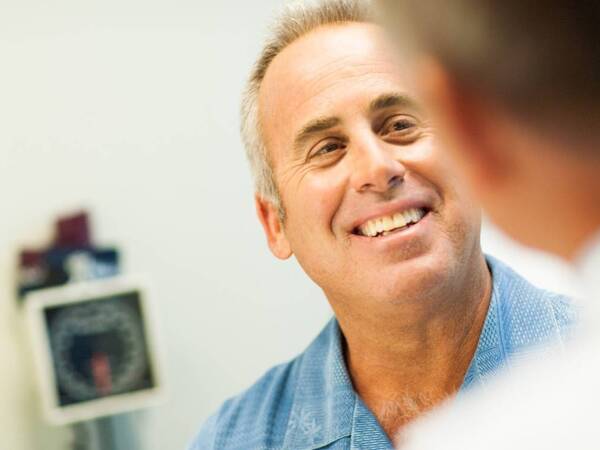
351	180
514	88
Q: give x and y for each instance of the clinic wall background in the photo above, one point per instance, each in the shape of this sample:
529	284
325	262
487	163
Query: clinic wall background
130	109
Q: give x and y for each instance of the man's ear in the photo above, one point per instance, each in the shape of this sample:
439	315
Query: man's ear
470	126
269	216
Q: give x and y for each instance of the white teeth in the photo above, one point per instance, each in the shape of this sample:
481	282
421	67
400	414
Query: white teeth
369	229
386	224
399	220
374	228
418	213
407	216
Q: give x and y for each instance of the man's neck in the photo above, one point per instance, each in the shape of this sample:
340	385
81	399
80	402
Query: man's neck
402	365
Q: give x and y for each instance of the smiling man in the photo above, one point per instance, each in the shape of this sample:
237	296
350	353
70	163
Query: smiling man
351	180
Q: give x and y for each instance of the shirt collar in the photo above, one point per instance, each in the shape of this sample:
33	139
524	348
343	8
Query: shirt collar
326	408
489	354
324	400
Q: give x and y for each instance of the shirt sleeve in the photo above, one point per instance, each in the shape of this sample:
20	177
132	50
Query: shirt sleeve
205	439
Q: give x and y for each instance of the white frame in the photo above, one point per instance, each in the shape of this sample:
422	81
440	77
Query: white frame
37	302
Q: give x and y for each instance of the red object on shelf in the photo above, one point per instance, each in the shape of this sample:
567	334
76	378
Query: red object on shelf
73	231
31	258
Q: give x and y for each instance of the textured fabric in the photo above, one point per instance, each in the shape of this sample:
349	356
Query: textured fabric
309	403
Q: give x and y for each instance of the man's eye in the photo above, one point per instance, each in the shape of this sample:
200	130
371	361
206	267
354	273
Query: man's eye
402	125
327	148
398	126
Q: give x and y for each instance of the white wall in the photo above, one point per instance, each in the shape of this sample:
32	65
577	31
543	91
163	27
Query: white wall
129	108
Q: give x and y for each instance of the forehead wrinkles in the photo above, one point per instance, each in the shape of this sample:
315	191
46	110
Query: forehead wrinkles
288	97
349	76
304	77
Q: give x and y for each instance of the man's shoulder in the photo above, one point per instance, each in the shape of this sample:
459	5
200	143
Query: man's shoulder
256	417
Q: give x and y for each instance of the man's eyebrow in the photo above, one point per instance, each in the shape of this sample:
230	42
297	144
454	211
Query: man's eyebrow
313	127
392	99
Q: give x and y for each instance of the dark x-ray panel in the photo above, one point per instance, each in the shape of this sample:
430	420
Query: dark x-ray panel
99	348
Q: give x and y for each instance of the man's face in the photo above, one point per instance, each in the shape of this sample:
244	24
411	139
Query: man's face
372	211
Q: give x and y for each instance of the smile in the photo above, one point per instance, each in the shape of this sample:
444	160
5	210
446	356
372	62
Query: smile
384	225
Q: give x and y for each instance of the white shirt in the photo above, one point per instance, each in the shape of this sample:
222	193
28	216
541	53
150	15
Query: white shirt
550	403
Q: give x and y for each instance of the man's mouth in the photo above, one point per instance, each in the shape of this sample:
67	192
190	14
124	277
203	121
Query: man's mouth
384	225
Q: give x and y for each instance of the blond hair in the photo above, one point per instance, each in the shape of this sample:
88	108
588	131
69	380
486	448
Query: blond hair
296	20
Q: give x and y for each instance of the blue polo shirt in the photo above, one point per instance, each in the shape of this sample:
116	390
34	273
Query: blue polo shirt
309	403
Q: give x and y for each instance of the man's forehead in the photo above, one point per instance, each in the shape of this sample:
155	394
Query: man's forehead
328	51
323	68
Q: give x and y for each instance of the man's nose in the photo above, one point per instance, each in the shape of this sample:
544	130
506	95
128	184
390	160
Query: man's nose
375	168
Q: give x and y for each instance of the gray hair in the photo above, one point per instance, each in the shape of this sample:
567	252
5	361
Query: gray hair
296	20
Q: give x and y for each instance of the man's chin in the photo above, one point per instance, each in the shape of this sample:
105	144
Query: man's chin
414	279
